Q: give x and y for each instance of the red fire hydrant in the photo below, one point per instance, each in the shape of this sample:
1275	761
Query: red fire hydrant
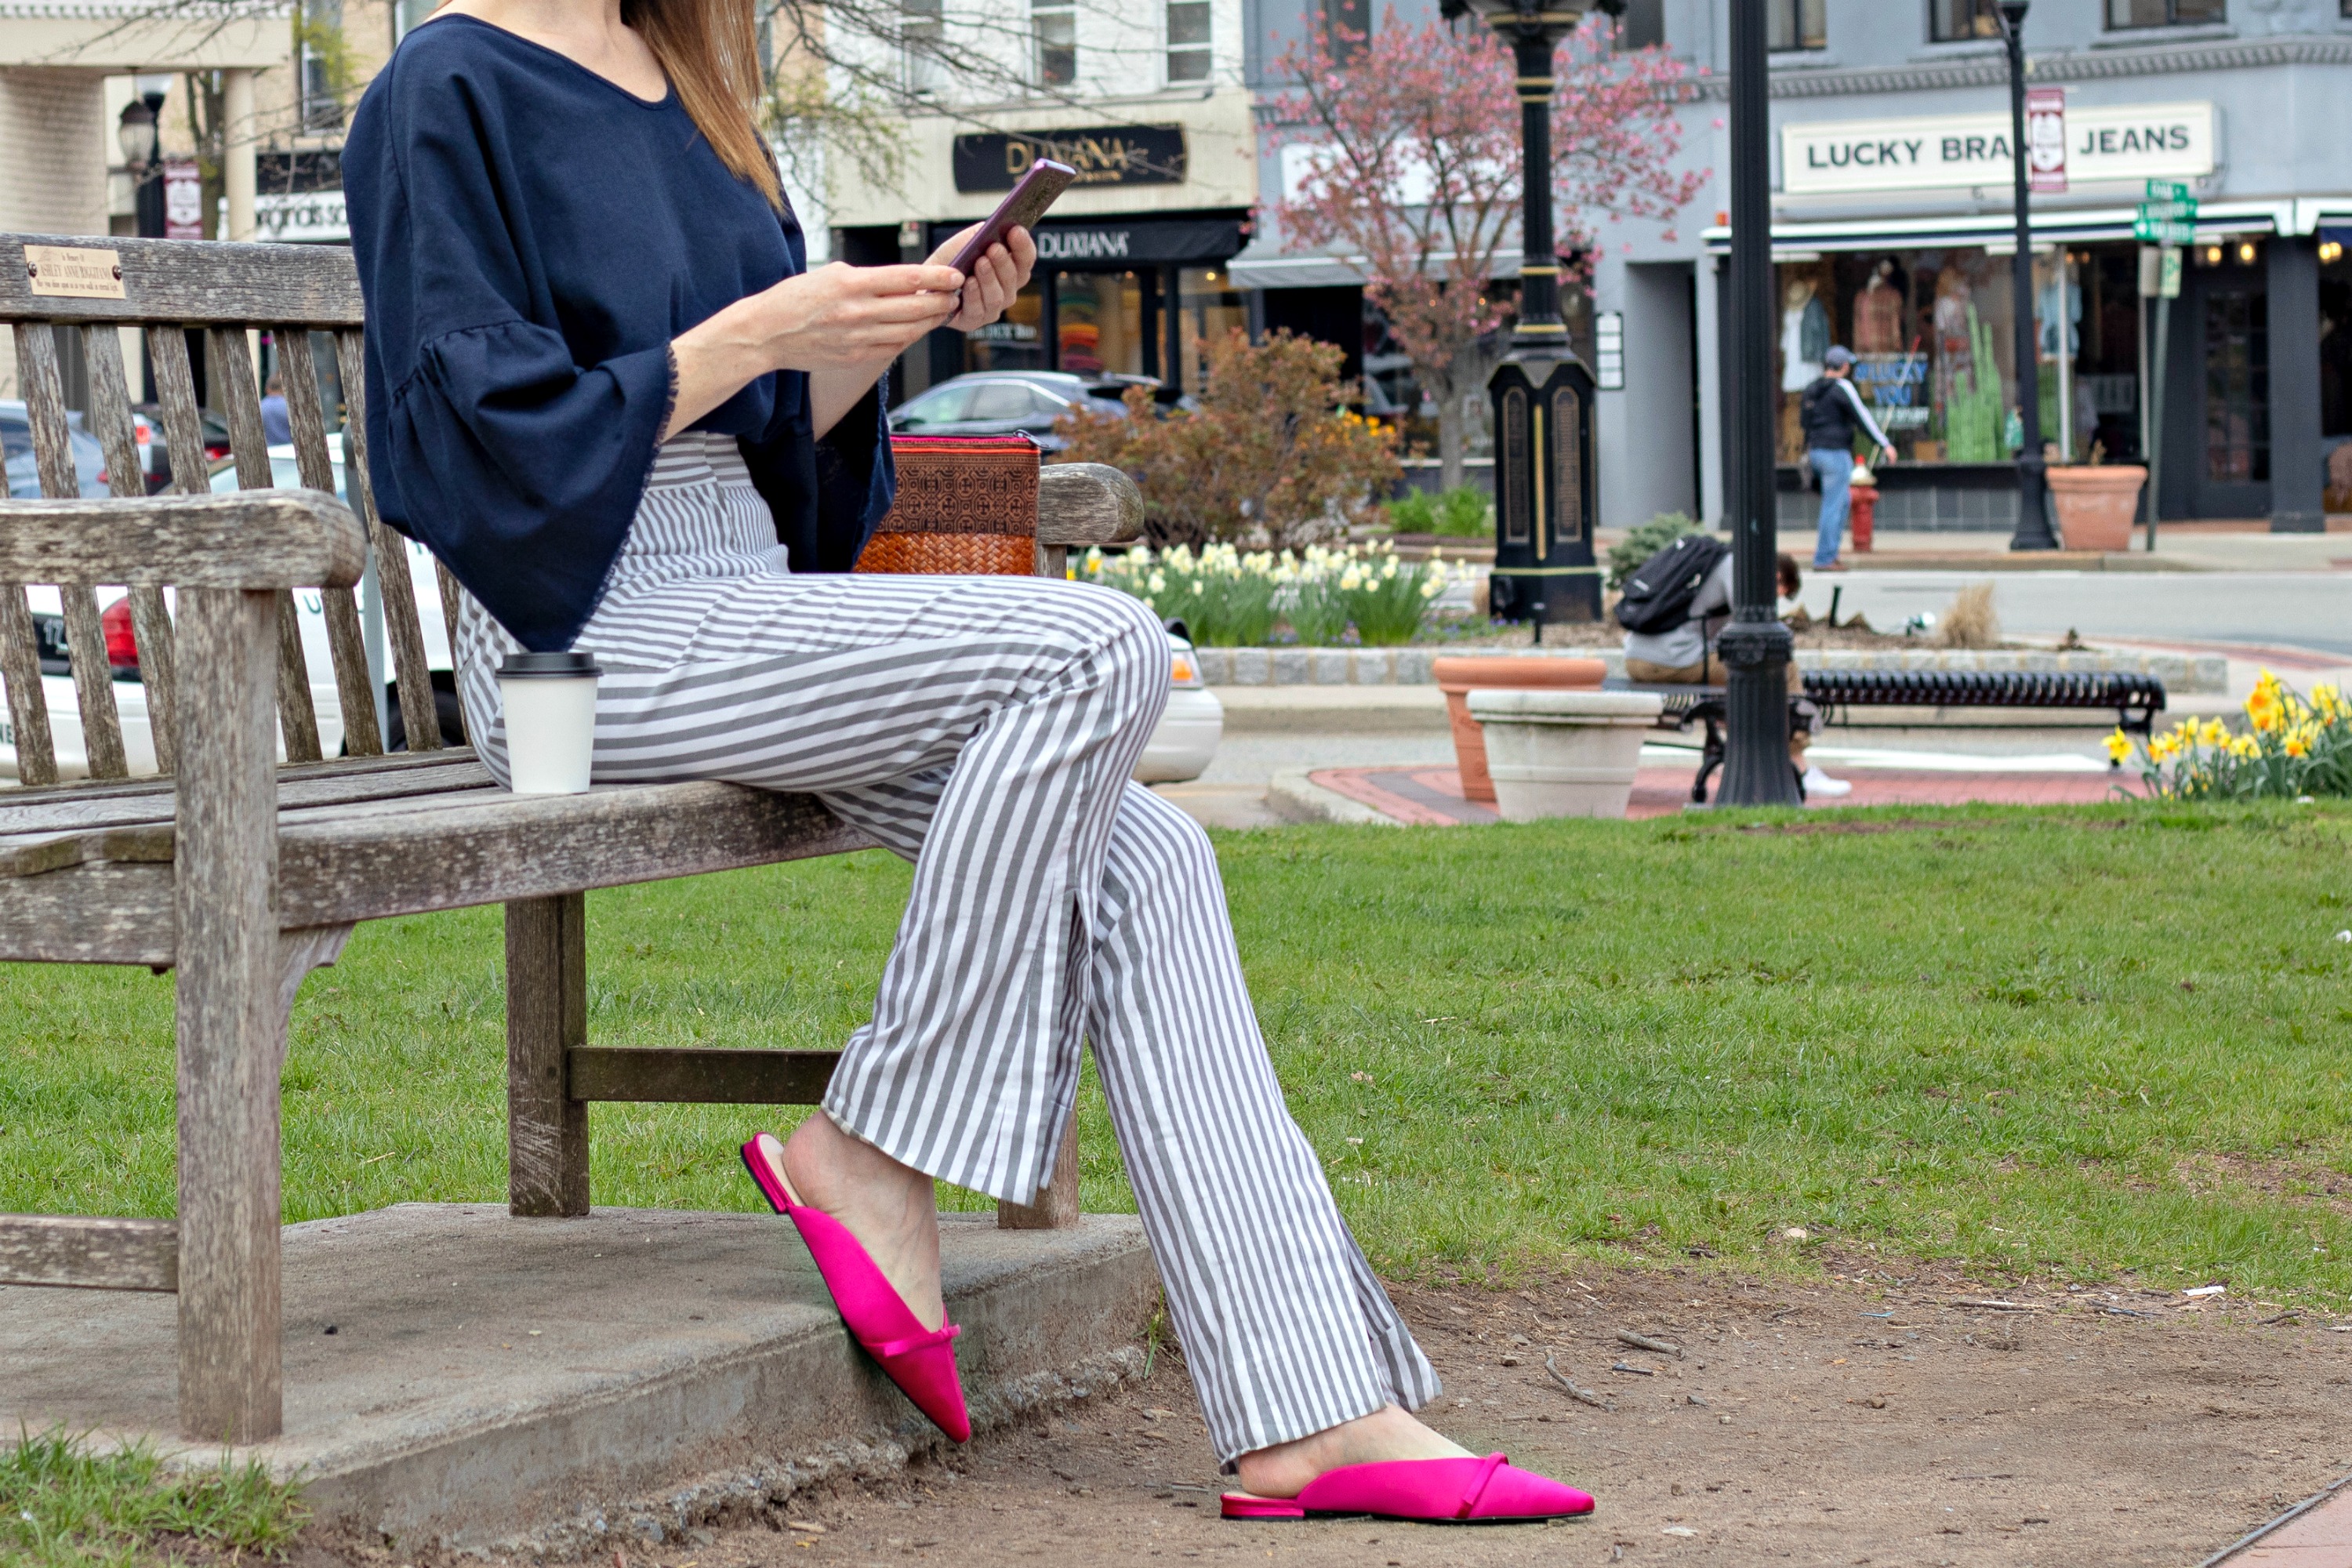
1862	503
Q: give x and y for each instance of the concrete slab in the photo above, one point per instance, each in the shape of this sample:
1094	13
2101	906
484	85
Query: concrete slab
456	1375
2317	1534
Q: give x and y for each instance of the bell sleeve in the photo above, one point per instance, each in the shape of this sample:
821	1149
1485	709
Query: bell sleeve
521	469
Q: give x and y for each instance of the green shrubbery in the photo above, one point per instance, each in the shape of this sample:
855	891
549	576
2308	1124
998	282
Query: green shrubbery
1645	540
1465	511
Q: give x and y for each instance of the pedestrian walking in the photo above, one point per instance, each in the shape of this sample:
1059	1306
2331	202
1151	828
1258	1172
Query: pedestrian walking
277	420
1831	412
608	394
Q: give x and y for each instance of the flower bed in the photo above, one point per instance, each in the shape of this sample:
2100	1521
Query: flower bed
1228	598
2285	747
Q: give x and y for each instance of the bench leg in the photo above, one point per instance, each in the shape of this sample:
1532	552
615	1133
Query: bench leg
231	1020
1057	1207
547	1015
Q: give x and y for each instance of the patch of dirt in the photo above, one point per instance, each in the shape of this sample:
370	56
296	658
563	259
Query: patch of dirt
1871	1420
2290	1181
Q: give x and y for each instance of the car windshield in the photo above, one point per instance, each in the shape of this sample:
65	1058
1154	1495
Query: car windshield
940	406
285	473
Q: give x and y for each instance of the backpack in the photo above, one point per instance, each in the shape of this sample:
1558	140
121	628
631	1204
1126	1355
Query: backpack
1658	596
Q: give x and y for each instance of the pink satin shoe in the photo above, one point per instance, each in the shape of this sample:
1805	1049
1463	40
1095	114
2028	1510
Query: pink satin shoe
920	1360
1432	1491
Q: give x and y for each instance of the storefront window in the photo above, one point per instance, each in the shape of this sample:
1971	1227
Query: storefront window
2166	13
1933	336
2336	342
1949	21
1016	341
1057	22
1187	40
1212	307
1098	322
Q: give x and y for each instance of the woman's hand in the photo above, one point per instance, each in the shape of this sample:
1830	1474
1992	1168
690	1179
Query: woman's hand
837	321
995	279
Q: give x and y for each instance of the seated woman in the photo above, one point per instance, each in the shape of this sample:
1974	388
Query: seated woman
605	390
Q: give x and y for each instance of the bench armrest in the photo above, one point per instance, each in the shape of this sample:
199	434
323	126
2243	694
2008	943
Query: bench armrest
246	538
1080	504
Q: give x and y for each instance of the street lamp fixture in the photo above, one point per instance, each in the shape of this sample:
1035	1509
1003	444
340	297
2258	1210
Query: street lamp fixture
136	136
1545	568
2032	515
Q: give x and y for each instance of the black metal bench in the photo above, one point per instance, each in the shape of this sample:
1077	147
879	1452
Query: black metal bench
2136	698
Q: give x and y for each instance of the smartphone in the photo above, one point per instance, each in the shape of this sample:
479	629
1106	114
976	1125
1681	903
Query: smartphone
1023	206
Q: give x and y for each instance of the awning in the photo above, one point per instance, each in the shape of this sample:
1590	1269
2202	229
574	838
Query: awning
1999	230
1265	265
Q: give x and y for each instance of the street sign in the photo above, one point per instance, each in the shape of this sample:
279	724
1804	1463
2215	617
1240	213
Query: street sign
2167	284
2164	231
2181	212
2167	191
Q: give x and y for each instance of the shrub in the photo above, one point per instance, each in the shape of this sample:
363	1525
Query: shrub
1271	454
1415	511
1643	540
1465	511
1971	622
2285	747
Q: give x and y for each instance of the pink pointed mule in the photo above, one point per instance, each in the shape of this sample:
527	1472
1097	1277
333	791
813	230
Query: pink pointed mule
1432	1491
920	1360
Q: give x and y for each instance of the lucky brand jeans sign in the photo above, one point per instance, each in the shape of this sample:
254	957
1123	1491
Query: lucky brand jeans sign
2111	142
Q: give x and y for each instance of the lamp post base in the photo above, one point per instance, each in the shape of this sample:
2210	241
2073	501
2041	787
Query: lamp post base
1756	767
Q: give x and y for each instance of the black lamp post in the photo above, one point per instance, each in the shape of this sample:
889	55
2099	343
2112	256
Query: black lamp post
2033	516
1756	646
1544	565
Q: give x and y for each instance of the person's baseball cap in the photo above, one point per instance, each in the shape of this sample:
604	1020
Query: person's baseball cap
1839	357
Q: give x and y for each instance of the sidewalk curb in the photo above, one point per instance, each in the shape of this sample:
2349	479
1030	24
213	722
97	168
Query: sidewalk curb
1294	795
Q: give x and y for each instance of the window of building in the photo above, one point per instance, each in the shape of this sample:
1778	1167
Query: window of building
1348	26
1643	25
407	14
318	57
1954	21
922	30
1057	22
1187	40
2166	13
1796	24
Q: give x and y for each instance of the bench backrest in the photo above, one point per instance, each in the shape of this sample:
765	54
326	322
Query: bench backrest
54	289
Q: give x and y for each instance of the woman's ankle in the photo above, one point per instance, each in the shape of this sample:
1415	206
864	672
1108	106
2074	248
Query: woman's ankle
1388	1433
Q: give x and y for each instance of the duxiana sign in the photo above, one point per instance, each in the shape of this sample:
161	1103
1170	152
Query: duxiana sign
2168	140
1103	155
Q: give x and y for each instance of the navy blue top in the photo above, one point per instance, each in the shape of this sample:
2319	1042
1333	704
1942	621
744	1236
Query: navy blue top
530	238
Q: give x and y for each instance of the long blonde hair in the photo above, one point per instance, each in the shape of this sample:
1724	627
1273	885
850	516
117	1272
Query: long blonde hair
710	50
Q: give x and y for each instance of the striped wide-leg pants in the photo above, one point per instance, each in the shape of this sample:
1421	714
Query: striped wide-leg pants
985	729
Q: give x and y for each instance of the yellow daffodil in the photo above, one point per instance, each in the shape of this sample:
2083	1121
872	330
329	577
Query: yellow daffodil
2118	746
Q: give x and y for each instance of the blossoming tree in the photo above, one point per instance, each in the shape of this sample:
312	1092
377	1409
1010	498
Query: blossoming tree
1410	143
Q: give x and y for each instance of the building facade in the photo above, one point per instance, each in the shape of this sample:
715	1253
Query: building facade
1147	102
1893	235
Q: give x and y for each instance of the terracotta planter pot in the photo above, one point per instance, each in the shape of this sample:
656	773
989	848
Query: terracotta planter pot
2097	504
1564	754
1457	676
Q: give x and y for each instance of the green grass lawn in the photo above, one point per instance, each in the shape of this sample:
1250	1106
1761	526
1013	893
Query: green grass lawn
2080	1041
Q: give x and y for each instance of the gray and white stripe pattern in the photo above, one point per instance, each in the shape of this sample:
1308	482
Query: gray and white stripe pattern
984	728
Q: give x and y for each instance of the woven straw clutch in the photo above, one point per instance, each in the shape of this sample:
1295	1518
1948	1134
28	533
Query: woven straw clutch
967	505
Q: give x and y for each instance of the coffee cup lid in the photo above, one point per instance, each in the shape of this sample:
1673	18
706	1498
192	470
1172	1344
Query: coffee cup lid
547	667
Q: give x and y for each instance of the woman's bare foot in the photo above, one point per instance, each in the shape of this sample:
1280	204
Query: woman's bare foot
1389	1433
888	1206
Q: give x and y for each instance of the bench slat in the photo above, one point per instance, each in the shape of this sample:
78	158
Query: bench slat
455	771
409	669
89	1254
151	620
346	644
28	706
93	681
228	376
1083	504
697	1075
213	282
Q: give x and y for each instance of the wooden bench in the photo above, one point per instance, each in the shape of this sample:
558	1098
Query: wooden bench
241	874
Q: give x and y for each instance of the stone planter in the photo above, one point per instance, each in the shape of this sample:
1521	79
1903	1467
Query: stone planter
1460	674
1563	753
2096	504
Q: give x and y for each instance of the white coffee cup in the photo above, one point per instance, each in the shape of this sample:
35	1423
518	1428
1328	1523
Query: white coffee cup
551	702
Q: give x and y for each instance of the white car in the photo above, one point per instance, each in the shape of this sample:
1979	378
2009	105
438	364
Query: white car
1178	749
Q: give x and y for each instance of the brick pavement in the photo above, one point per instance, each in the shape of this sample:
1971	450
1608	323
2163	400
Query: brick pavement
1432	796
2318	1538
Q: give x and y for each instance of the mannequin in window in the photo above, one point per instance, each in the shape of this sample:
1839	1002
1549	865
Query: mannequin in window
1878	313
1804	340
